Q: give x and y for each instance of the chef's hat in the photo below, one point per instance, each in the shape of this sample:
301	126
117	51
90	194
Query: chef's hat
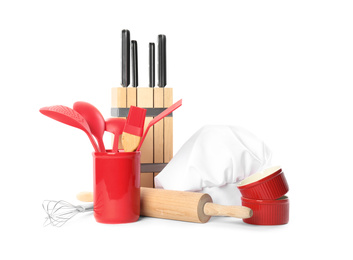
213	161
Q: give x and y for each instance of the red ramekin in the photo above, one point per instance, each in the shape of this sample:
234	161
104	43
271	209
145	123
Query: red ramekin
269	184
267	212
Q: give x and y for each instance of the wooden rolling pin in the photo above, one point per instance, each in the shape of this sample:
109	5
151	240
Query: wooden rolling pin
184	206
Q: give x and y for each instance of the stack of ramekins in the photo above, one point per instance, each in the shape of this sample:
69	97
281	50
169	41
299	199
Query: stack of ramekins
264	192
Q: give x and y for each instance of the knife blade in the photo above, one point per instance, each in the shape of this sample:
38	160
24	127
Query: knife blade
134	64
152	65
162	61
125	58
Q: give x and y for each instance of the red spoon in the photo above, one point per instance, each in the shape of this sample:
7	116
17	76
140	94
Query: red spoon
159	117
70	117
115	125
94	119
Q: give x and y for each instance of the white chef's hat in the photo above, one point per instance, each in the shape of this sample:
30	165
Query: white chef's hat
213	161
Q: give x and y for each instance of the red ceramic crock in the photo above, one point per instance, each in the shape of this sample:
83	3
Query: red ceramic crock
116	187
269	184
267	212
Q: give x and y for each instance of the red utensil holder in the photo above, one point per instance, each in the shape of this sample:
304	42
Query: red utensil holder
116	187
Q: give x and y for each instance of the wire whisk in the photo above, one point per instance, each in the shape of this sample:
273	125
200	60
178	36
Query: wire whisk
59	212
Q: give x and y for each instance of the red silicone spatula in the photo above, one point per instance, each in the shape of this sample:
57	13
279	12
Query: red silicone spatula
70	117
159	117
115	125
133	129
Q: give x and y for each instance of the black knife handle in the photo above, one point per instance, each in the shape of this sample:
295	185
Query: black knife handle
135	81
125	58
162	61
152	65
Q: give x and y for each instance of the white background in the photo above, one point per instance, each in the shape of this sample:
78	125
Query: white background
281	69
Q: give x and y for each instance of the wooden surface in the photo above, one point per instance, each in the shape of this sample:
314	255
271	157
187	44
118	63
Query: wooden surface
145	100
118	97
146	179
158	134
131	97
168	126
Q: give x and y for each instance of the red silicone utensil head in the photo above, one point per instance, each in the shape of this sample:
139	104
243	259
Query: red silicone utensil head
65	115
159	117
69	117
115	126
94	119
135	121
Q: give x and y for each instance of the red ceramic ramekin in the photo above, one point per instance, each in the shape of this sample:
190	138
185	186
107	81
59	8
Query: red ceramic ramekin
269	184
267	212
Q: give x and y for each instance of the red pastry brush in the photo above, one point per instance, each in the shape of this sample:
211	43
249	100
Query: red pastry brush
133	129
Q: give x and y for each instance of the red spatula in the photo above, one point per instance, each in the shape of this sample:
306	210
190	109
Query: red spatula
159	117
115	125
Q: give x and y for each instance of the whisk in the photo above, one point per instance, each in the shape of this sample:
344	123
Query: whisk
59	212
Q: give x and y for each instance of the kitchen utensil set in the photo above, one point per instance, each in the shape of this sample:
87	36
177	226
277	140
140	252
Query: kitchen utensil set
118	197
91	121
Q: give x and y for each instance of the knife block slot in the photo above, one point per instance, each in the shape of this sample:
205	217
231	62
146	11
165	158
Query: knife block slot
157	149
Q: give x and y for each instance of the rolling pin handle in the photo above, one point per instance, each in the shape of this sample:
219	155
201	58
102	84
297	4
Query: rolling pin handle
212	209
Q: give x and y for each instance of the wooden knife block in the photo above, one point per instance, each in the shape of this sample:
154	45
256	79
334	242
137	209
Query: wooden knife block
157	148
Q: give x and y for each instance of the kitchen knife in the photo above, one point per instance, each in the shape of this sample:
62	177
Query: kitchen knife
125	58
162	61
134	64
152	64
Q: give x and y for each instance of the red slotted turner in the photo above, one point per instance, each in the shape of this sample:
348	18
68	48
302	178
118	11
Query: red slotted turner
70	117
